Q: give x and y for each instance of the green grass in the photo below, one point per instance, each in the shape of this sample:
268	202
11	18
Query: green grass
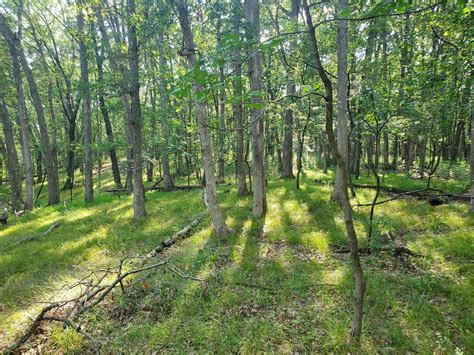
284	291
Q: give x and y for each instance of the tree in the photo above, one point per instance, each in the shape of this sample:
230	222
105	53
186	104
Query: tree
237	103
25	132
164	109
51	167
287	151
135	123
252	15
210	190
342	163
11	156
86	107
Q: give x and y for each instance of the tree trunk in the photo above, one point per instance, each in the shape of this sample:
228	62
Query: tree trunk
252	15
51	167
105	116
221	132
385	149
472	146
356	327
39	165
24	129
210	190
395	153
11	156
86	108
237	104
164	106
135	117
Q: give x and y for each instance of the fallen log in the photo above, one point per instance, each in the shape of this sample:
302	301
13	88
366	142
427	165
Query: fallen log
93	288
183	233
157	188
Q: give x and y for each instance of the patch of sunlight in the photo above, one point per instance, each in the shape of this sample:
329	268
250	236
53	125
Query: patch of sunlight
200	237
333	276
316	240
230	221
452	218
51	291
97	234
297	212
150	228
359	228
338	220
248	226
35	224
77	214
126	203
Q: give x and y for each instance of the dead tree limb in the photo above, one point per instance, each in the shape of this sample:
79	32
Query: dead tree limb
157	188
419	194
396	250
93	288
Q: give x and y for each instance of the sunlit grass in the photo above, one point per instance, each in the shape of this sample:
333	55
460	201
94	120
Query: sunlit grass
282	291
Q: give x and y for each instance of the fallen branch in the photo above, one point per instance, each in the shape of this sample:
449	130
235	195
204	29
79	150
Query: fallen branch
183	233
93	289
419	194
397	251
157	188
36	236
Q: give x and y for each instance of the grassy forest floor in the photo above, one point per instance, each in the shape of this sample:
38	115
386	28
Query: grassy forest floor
283	291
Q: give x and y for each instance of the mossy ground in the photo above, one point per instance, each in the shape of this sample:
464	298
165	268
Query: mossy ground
283	291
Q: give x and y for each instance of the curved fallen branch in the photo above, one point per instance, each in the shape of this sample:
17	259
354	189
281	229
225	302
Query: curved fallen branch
397	251
419	194
93	288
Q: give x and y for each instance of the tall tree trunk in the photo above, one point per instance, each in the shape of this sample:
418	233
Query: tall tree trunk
39	165
54	133
120	68
287	151
252	15
71	155
24	129
51	167
472	143
164	108
356	327
105	116
221	109
385	149
86	108
237	104
395	153
210	190
135	116
11	156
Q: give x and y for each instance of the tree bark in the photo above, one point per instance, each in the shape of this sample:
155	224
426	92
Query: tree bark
24	129
86	108
237	104
135	117
164	106
472	144
252	15
105	116
210	190
11	156
287	151
51	167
